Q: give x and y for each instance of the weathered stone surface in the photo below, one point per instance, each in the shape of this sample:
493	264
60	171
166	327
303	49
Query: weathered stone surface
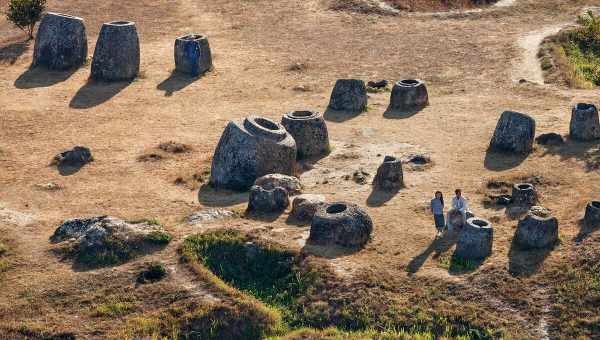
117	53
475	240
536	232
378	84
514	133
341	223
550	139
192	55
209	215
409	95
305	206
539	211
309	131
74	158
61	42
524	194
290	183
263	200
349	95
389	175
251	149
592	215
585	125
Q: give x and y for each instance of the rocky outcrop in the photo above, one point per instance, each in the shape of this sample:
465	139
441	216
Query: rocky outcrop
475	240
536	232
349	95
251	149
73	159
290	183
514	133
309	131
117	53
341	223
409	95
192	55
263	200
61	42
551	138
584	125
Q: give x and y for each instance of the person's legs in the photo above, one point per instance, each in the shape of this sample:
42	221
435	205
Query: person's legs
439	222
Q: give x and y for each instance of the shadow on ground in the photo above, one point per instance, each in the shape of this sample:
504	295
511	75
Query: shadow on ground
68	170
175	82
11	52
42	77
526	262
437	247
584	231
339	116
586	152
399	114
328	251
497	161
209	196
94	93
377	198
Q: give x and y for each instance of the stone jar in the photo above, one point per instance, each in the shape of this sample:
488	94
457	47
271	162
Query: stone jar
536	232
585	125
250	149
475	240
592	215
192	55
409	95
514	133
349	95
389	175
263	200
61	42
117	53
524	194
309	131
341	223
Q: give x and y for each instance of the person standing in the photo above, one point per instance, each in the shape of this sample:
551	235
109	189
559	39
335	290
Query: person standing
437	208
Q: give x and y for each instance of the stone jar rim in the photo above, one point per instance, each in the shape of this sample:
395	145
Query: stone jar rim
192	37
336	208
63	15
120	23
301	115
479	223
409	82
264	127
584	107
524	186
594	204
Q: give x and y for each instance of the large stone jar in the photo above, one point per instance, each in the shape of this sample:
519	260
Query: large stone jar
117	53
192	55
309	131
514	133
61	42
475	240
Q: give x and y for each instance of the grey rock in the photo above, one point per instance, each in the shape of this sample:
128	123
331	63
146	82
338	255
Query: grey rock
267	200
524	194
251	149
341	223
309	131
585	125
117	53
536	232
514	133
349	95
192	55
389	175
378	84
75	228
539	211
409	95
592	215
61	42
305	206
475	239
290	183
208	215
550	139
75	158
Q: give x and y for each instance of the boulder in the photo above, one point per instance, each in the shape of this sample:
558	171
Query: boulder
309	131
341	223
263	200
592	215
290	183
192	54
349	95
378	84
524	194
251	149
305	206
536	232
514	133
389	175
74	158
409	95
117	53
585	125
550	139
475	240
61	42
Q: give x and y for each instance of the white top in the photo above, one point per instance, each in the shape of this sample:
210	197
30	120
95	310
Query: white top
459	203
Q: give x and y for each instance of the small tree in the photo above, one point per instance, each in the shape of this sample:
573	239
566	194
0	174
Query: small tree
25	14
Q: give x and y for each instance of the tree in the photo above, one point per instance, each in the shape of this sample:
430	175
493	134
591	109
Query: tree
25	14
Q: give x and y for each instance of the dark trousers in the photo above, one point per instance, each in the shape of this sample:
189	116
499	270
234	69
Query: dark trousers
439	221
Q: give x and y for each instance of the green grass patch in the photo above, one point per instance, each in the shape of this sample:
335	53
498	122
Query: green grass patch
115	306
150	221
3	248
455	264
159	237
4	265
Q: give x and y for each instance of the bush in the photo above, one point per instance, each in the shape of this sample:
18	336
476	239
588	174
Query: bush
25	14
159	237
154	272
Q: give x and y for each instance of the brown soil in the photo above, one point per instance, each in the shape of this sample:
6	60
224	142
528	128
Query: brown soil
467	62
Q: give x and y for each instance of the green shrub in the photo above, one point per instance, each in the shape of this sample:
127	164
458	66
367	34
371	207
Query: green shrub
159	237
154	272
115	306
25	14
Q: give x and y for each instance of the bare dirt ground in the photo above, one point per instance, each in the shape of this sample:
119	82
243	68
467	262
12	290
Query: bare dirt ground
466	60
